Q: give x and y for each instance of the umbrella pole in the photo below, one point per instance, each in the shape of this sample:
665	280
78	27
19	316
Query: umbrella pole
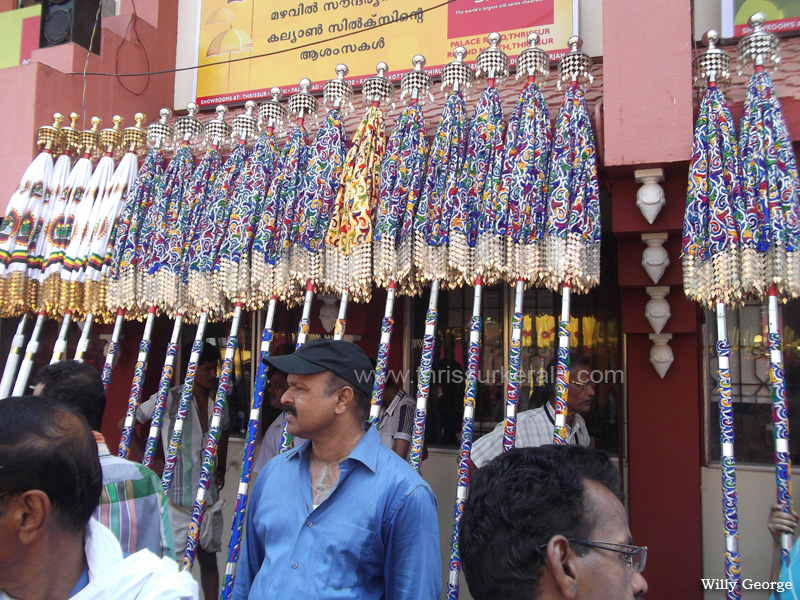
60	347
726	434
113	348
514	368
14	355
302	336
384	347
473	363
341	319
83	342
212	441
136	385
239	511
562	368
780	418
163	390
30	351
183	406
424	378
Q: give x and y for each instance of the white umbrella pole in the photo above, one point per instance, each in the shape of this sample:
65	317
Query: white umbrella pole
30	351
14	356
113	348
60	347
341	319
562	369
514	368
424	378
382	364
83	342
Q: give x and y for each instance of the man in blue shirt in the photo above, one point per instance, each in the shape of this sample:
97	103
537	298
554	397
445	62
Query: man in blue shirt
340	516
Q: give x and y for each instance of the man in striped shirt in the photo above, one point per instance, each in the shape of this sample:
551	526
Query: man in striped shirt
535	427
133	504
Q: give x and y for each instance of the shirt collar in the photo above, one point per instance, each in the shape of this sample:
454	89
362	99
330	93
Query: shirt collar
365	452
577	422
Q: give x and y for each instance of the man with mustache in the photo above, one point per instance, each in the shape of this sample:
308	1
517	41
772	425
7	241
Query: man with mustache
341	516
547	523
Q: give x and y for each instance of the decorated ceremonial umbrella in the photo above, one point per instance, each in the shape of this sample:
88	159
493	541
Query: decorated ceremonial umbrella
162	250
717	235
22	213
271	268
523	193
121	294
477	194
213	225
432	222
232	268
571	242
770	183
402	176
348	254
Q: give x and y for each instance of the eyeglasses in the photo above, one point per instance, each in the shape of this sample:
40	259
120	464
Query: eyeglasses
582	384
635	556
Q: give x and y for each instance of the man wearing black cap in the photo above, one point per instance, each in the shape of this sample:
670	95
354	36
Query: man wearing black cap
340	516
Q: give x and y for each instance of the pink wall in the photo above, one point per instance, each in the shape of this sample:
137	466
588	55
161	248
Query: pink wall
33	92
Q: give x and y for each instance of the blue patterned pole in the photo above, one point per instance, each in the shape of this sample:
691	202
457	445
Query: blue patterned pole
83	342
212	441
424	378
780	418
726	437
382	364
164	384
60	346
183	406
240	510
473	363
136	385
514	369
562	369
113	348
14	356
30	351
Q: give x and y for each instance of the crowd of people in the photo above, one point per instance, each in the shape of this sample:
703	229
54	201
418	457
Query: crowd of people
341	514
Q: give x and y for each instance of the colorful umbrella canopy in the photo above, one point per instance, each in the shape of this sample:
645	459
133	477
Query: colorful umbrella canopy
479	241
165	226
402	177
214	223
123	275
321	183
716	229
526	153
101	245
270	263
60	226
348	256
232	270
572	226
22	214
770	182
437	203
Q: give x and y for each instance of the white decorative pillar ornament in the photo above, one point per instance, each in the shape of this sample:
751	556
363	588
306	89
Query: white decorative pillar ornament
661	356
650	197
657	309
328	311
655	259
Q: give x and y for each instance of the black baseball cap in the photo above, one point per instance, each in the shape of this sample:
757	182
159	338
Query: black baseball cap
345	359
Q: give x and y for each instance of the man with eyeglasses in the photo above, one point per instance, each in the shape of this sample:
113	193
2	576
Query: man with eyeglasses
535	427
350	519
547	523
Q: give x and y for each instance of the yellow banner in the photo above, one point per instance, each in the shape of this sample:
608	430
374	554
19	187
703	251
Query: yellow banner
253	45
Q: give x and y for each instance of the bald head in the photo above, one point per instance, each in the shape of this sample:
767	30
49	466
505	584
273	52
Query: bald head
46	446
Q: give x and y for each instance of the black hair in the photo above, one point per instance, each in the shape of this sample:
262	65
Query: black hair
76	384
361	399
542	394
517	502
47	446
209	353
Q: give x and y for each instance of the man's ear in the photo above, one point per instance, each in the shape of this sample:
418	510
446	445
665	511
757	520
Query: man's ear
29	513
344	399
562	565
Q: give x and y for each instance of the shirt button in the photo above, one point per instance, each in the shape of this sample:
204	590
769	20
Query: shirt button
294	565
309	524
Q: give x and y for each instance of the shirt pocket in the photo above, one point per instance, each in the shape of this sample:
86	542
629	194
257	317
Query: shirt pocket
346	556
